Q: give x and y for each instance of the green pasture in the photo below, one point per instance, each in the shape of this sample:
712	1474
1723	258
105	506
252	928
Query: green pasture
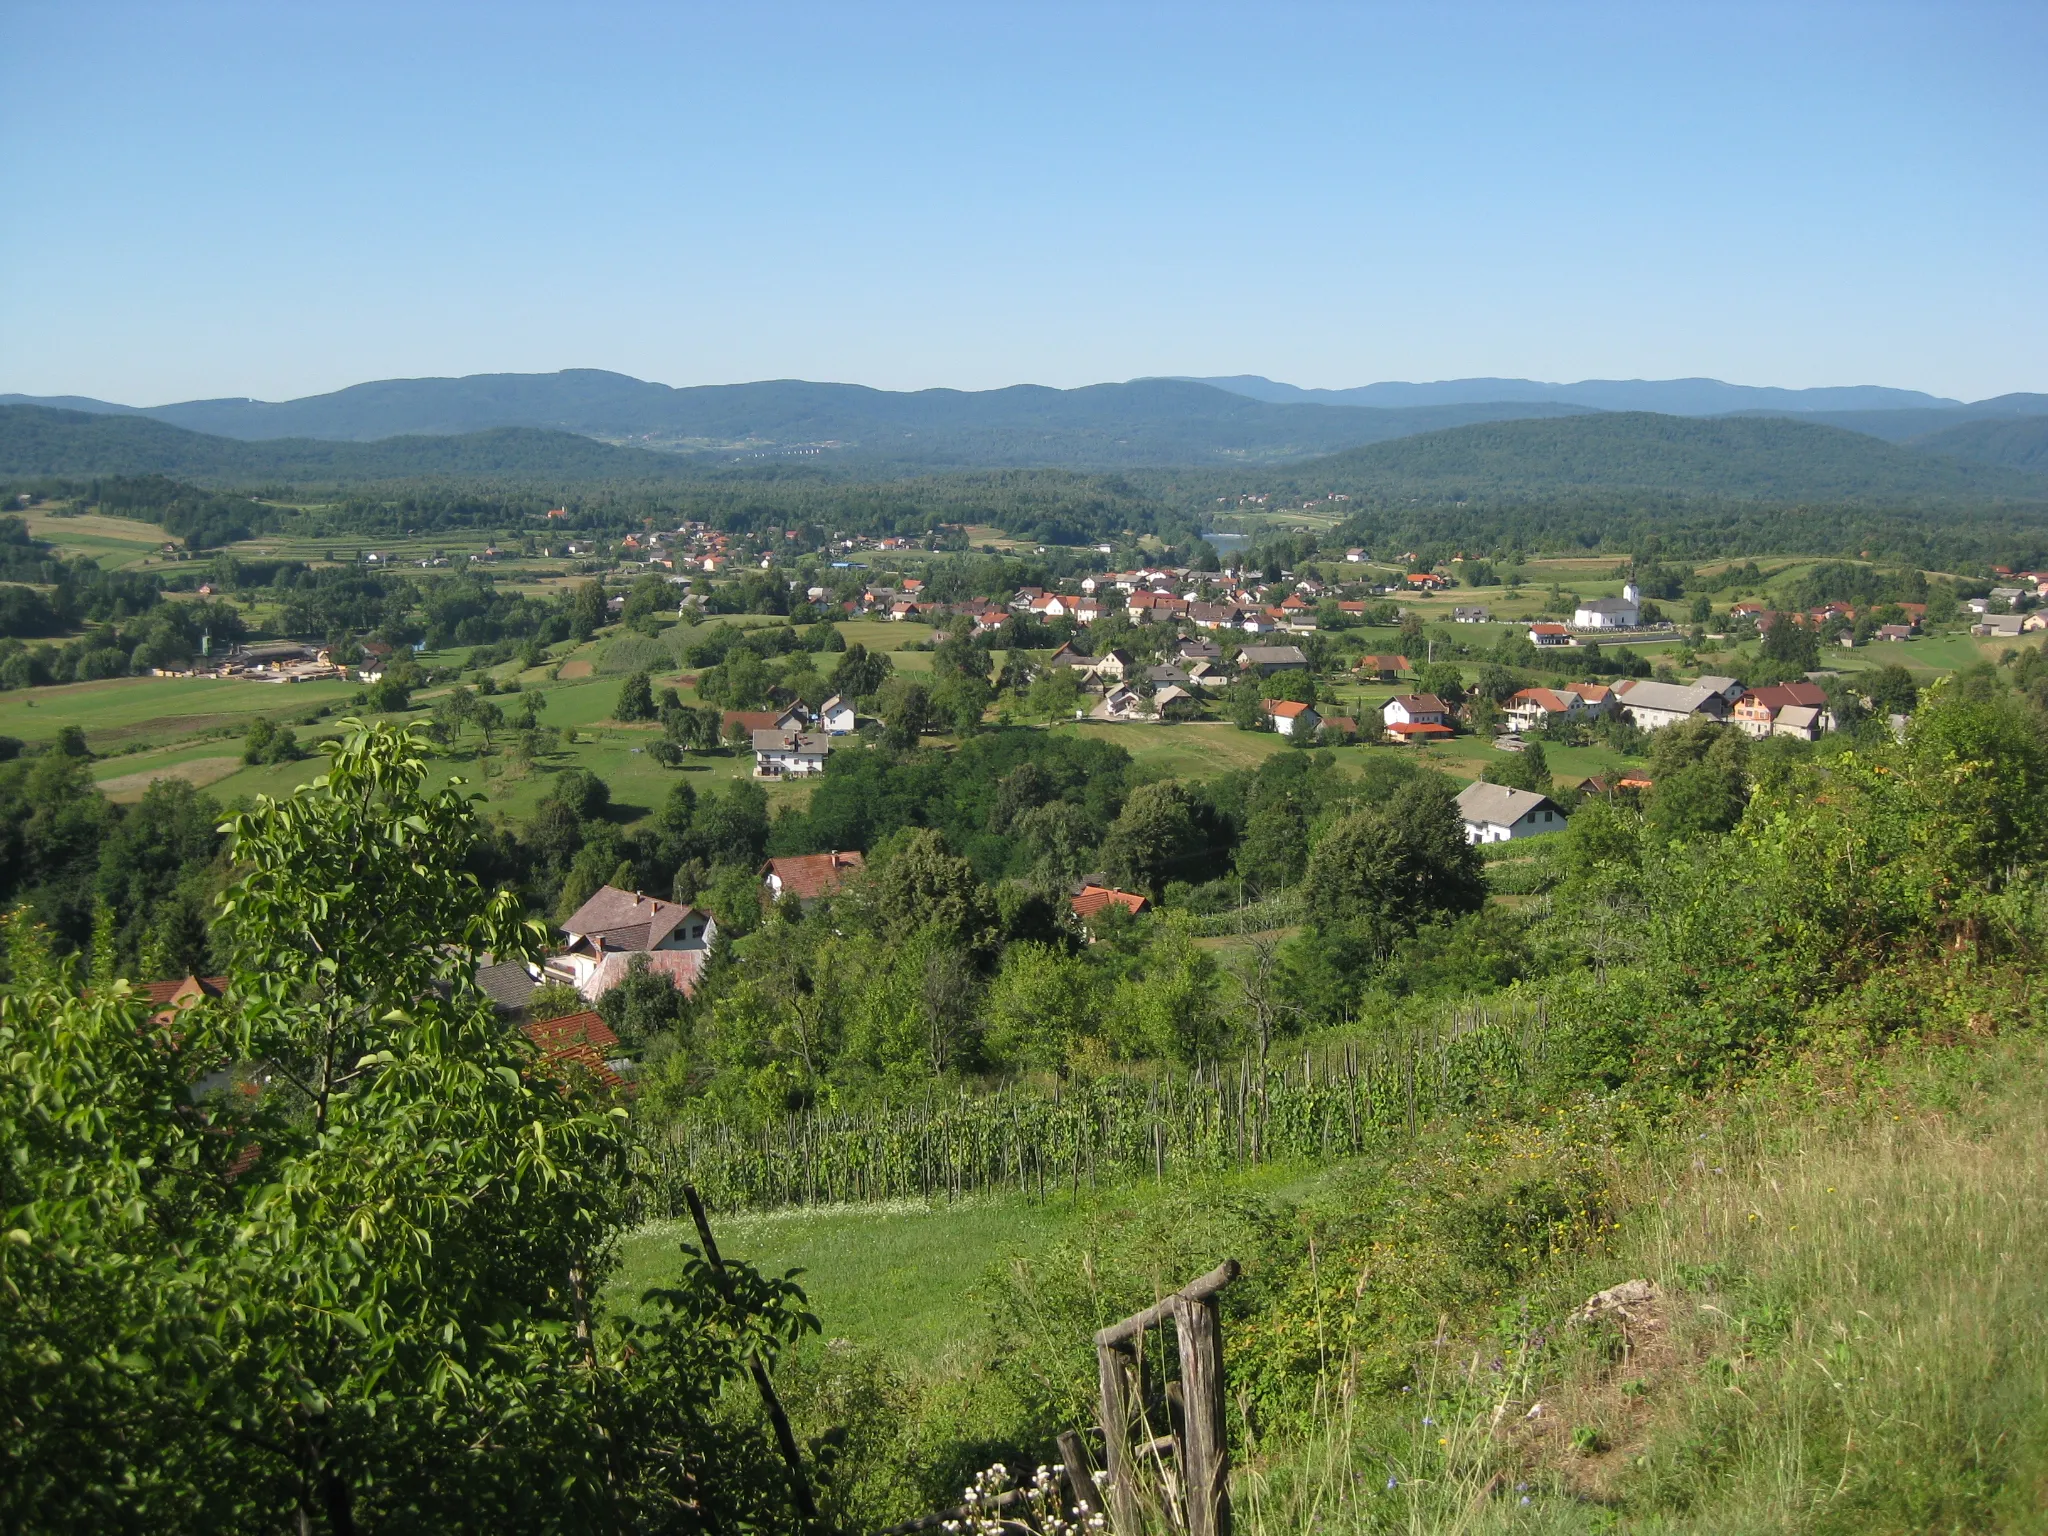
116	542
123	711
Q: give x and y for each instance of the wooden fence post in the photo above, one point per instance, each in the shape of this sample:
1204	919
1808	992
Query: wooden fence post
1206	1475
1116	1438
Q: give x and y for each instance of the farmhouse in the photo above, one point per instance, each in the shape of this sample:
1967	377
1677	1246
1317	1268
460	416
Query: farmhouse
835	716
789	754
1650	706
614	926
809	877
1494	813
1091	900
1290	718
1551	634
1268	659
1416	716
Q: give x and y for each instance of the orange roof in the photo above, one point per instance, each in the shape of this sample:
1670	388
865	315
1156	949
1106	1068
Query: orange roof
579	1040
1093	898
811	875
1549	629
1287	709
1419	728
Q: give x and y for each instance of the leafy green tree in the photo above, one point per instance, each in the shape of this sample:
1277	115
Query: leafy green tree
1792	643
1387	868
1526	769
860	673
1043	999
1173	1008
364	1295
1891	690
587	611
636	698
918	886
1160	835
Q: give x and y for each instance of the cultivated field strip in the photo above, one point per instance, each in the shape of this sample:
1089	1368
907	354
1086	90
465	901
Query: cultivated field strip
1111	1130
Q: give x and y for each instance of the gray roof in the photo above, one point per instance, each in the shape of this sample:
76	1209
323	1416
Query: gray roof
1675	698
1272	656
1497	805
792	741
1613	605
508	984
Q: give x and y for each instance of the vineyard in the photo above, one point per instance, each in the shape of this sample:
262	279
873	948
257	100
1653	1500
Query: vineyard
1118	1129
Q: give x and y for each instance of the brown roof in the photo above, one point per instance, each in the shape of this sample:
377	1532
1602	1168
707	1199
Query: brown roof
1420	703
811	875
1383	663
1093	898
625	920
1782	695
578	1040
178	991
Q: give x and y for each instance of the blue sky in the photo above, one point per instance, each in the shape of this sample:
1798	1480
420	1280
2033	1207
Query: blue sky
277	199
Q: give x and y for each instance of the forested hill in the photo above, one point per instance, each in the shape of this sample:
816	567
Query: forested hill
1746	458
1149	421
2014	443
38	441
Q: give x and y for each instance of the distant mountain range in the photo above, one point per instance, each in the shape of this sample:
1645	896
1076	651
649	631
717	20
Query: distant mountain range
1148	421
1669	397
1764	458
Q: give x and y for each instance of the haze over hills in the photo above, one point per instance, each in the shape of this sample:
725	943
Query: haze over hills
1671	397
1763	458
1766	458
1151	421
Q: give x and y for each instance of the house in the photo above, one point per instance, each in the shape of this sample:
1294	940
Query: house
1213	615
1895	632
835	716
1175	703
1208	674
747	721
1426	581
789	754
1596	698
1471	616
168	999
1551	634
1187	650
1624	612
2000	626
1534	708
809	877
1265	660
614	926
1121	703
1290	718
1167	675
509	984
577	1045
1416	717
1113	666
1341	727
1783	709
1354	556
1494	813
1093	899
1650	706
1385	668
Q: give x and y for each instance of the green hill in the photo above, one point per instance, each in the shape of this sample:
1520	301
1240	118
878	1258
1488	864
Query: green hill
39	441
1750	458
2017	443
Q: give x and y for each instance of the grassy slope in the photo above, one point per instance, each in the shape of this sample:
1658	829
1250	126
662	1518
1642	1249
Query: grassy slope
1848	1339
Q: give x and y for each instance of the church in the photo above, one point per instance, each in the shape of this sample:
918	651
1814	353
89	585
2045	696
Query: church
1624	612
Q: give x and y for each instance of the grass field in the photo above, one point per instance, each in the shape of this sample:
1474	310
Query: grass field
116	542
121	712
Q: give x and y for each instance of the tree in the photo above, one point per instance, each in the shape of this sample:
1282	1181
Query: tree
1172	1008
317	1304
587	611
860	673
1792	643
636	699
1161	832
1388	868
1891	690
920	886
1041	1002
1526	769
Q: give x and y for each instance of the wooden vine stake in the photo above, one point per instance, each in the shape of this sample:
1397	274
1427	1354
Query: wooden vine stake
1204	1444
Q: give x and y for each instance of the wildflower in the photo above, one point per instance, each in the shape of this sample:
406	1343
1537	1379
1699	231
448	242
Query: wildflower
1427	1419
1392	1483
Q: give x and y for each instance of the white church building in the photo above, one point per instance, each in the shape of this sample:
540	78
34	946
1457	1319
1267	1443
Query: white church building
1624	612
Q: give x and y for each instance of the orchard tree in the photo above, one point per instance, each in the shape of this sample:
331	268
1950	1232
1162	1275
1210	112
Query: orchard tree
359	1288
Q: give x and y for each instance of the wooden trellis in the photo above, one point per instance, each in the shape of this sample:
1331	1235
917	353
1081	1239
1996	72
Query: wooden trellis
1198	1438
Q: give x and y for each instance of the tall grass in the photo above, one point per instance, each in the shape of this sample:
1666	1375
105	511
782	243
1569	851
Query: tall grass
1854	1338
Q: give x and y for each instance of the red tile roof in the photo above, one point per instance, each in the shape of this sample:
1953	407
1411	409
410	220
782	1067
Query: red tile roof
812	875
1093	898
578	1040
1419	728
